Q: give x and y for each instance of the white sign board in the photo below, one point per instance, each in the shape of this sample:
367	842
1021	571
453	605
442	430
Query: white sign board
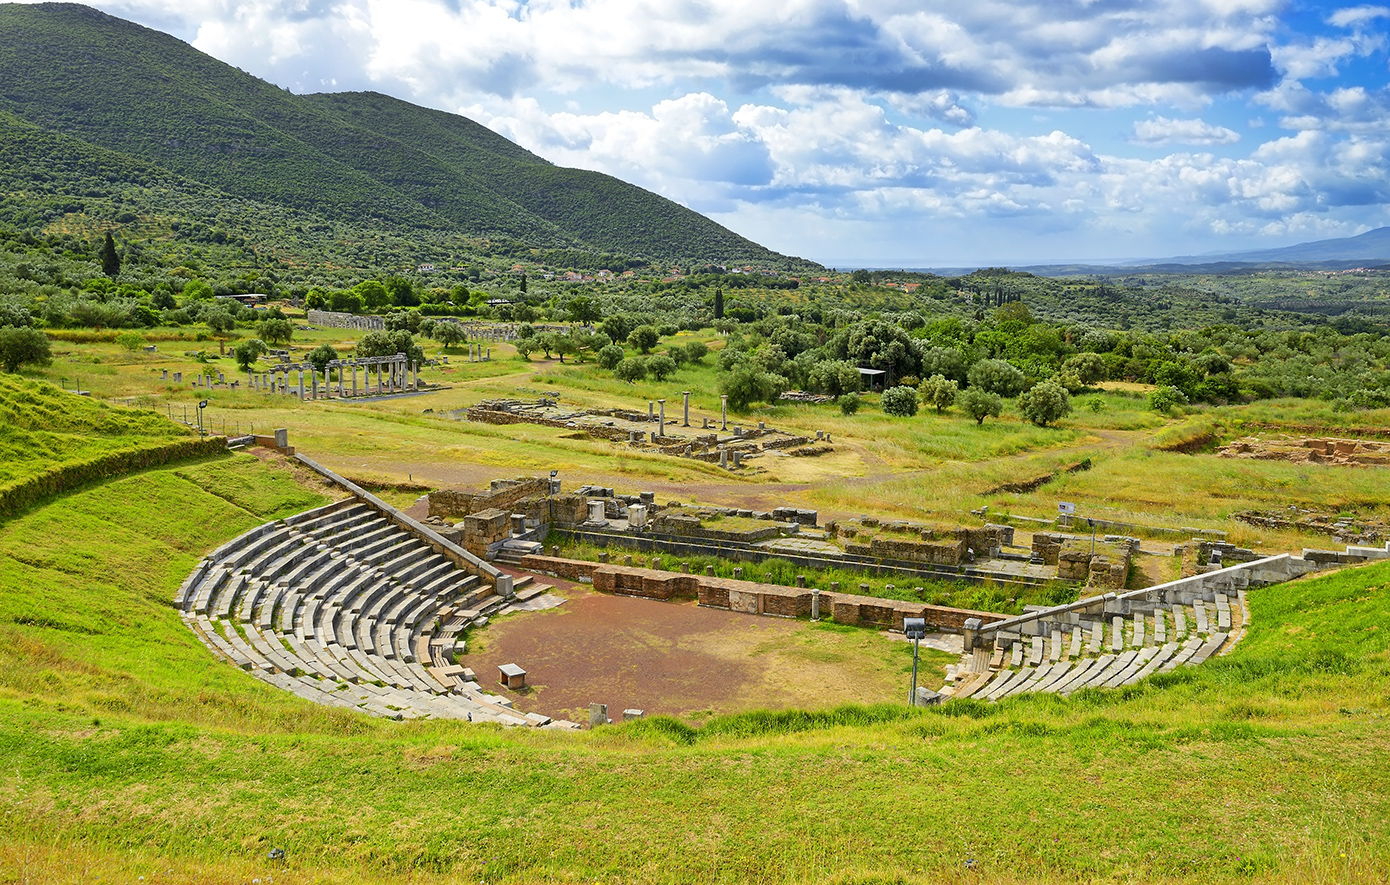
1066	508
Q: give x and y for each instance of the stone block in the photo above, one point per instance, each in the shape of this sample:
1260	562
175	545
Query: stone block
598	715
629	715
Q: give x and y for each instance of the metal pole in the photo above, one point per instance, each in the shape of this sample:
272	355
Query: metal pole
912	699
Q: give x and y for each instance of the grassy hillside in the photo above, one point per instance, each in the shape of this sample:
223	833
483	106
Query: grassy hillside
358	159
129	751
43	429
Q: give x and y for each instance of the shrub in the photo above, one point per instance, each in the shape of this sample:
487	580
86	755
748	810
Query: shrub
997	376
661	367
321	356
630	370
610	356
22	346
131	341
1166	397
899	401
849	403
746	384
247	352
939	391
1045	403
980	404
695	351
644	338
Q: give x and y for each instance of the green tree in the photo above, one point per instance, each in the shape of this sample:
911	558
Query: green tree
373	294
401	292
617	327
719	304
163	298
345	301
939	392
631	369
1089	367
644	338
321	356
696	351
219	321
746	383
661	367
449	334
980	404
997	376
848	403
197	290
526	346
247	352
901	402
1164	398
110	261
610	356
23	346
1044	403
277	332
131	341
582	310
315	300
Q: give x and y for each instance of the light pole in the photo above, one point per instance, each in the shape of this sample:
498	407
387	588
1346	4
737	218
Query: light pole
914	629
550	499
202	404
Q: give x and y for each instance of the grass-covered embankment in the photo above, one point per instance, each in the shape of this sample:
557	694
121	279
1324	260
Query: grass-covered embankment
130	751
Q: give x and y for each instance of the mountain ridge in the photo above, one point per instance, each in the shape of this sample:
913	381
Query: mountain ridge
361	158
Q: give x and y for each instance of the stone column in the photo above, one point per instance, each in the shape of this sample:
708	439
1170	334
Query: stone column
661	427
724	412
815	605
686	394
354	377
301	382
650	410
314	381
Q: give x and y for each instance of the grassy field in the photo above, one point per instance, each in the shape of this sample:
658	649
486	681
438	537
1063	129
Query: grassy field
130	752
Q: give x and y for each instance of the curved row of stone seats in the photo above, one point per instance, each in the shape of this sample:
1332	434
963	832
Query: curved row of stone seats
335	604
1106	655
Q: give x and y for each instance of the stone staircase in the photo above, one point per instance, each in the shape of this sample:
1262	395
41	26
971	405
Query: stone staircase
343	607
1101	652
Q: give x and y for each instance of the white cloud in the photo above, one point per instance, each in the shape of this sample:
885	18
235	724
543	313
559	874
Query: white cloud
1161	130
886	119
1357	15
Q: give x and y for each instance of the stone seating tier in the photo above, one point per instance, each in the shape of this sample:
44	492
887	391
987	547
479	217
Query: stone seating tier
342	607
1121	652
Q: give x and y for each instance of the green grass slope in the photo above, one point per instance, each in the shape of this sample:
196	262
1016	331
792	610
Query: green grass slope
129	751
138	92
43	429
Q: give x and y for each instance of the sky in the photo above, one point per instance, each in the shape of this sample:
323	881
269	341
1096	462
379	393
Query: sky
908	133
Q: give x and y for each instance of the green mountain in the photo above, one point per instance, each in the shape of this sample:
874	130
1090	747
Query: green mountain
152	105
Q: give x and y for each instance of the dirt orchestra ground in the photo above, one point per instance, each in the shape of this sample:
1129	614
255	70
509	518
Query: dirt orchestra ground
675	658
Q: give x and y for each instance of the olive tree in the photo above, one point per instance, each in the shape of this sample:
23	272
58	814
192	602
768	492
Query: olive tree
1044	403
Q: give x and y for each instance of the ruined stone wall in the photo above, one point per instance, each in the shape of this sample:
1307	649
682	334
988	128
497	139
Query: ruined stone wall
931	552
492	416
505	493
686	526
752	597
485	528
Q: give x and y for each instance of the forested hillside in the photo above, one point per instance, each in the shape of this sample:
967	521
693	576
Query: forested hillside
155	105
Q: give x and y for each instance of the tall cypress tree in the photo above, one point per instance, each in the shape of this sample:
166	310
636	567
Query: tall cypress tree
718	304
110	261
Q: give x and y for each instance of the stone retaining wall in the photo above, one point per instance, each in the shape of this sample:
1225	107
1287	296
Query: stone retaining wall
502	495
752	597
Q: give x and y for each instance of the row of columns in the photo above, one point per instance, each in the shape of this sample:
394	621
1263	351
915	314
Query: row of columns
399	376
